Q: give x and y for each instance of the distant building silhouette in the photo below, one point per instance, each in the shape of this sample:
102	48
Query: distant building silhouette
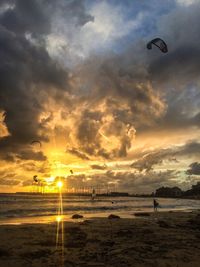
119	194
194	191
169	192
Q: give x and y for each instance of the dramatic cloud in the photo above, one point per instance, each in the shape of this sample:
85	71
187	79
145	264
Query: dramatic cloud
183	47
99	167
119	104
8	178
78	154
76	75
194	169
9	182
125	181
80	29
176	73
25	74
150	159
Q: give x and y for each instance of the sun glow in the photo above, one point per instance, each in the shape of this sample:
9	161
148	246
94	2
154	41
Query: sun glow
59	184
59	218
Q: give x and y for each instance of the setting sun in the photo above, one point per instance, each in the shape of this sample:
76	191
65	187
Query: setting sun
59	218
59	184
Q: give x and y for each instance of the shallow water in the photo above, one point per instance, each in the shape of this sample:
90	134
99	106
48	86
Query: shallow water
16	208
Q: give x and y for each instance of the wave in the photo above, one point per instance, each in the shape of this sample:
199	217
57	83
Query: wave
23	206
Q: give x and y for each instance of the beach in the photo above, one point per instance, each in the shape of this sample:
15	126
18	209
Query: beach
160	239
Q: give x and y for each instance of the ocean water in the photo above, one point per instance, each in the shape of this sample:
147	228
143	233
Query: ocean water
20	208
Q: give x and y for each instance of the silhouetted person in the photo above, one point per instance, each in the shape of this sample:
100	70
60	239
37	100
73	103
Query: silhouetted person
155	204
93	194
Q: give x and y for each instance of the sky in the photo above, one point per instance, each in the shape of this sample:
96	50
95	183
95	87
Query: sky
76	76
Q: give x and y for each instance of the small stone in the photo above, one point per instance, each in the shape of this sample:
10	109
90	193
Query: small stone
112	216
77	216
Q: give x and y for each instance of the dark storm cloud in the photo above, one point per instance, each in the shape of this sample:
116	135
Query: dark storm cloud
122	103
7	177
127	87
44	167
30	155
136	80
192	148
150	159
194	169
98	167
34	16
28	75
26	16
180	30
131	86
138	75
73	12
89	137
77	153
132	99
179	69
177	72
26	72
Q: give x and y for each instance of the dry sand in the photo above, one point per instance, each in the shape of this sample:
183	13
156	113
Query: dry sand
160	240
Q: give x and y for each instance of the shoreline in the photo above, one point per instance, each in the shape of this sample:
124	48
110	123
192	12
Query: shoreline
163	239
121	194
48	219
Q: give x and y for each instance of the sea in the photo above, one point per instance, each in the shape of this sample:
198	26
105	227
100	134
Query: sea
38	208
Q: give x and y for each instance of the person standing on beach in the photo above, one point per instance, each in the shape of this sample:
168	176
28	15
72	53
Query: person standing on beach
155	205
93	194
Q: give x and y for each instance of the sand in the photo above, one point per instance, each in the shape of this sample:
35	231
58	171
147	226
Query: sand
159	240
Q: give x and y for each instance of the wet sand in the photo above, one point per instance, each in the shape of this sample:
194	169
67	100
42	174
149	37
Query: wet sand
159	240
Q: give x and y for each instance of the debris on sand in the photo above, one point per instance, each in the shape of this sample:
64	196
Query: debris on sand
77	216
113	216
